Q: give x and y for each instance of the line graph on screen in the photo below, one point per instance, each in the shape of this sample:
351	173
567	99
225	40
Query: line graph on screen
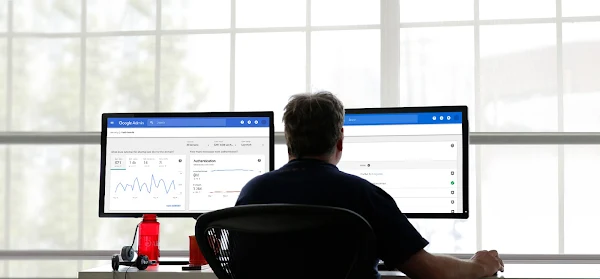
148	183
147	187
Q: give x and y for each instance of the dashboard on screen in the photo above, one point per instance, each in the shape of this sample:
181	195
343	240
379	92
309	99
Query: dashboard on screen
418	155
182	164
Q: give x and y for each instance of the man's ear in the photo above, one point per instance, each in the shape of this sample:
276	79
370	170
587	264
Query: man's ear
340	143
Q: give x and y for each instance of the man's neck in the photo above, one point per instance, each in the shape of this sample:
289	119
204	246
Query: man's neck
325	159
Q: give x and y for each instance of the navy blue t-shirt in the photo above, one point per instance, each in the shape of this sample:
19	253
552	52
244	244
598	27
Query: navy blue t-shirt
314	182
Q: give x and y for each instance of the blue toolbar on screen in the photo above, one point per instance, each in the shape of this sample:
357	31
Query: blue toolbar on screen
188	122
403	118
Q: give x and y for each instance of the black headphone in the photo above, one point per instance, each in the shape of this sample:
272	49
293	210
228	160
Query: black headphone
127	253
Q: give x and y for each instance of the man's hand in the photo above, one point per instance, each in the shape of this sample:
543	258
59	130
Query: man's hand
489	261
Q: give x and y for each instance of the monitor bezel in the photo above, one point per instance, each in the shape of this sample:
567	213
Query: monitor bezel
103	139
465	151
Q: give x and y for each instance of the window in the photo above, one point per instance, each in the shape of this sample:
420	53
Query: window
347	62
55	185
515	175
119	76
580	192
270	13
514	9
194	73
520	70
3	77
128	15
421	10
347	12
44	71
580	8
3	16
269	67
437	67
54	16
3	197
518	66
526	53
193	14
581	88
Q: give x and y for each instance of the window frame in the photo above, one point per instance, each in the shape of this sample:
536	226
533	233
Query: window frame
389	27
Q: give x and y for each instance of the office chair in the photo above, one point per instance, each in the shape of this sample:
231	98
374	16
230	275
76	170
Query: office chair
286	241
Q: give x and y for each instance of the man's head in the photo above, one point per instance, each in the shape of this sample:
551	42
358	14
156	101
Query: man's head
314	126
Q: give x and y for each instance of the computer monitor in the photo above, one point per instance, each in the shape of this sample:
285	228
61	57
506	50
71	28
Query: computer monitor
180	164
418	155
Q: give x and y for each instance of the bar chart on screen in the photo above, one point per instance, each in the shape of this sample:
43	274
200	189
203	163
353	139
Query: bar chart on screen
216	180
147	182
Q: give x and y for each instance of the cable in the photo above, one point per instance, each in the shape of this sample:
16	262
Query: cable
126	271
135	234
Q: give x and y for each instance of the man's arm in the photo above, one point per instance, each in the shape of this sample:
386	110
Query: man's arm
424	265
399	244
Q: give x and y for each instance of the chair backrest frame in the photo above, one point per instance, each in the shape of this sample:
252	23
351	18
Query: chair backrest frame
276	218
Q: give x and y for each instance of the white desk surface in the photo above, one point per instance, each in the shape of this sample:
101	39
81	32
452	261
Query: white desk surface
512	271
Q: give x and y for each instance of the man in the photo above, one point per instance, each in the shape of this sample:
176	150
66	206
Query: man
315	139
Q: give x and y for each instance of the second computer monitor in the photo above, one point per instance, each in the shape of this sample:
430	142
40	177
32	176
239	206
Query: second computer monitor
418	155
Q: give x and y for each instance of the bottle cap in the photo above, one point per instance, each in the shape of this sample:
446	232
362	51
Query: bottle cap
149	217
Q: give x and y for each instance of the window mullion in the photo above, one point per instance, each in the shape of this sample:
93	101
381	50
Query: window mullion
157	51
561	148
81	151
478	125
8	111
390	52
232	58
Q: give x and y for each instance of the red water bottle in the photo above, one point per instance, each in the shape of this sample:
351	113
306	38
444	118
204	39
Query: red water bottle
149	237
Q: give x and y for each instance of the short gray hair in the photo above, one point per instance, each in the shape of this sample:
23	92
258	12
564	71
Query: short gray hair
313	123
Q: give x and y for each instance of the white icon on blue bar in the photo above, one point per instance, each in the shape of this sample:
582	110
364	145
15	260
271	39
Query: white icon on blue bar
242	122
433	118
255	121
441	118
248	121
448	117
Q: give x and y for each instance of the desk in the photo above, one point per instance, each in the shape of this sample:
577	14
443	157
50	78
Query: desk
512	271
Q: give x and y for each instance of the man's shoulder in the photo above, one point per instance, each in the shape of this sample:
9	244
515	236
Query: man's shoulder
264	178
257	186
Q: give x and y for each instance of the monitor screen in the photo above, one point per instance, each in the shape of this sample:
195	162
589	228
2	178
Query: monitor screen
417	155
181	164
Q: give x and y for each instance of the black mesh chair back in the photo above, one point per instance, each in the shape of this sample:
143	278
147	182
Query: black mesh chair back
286	241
